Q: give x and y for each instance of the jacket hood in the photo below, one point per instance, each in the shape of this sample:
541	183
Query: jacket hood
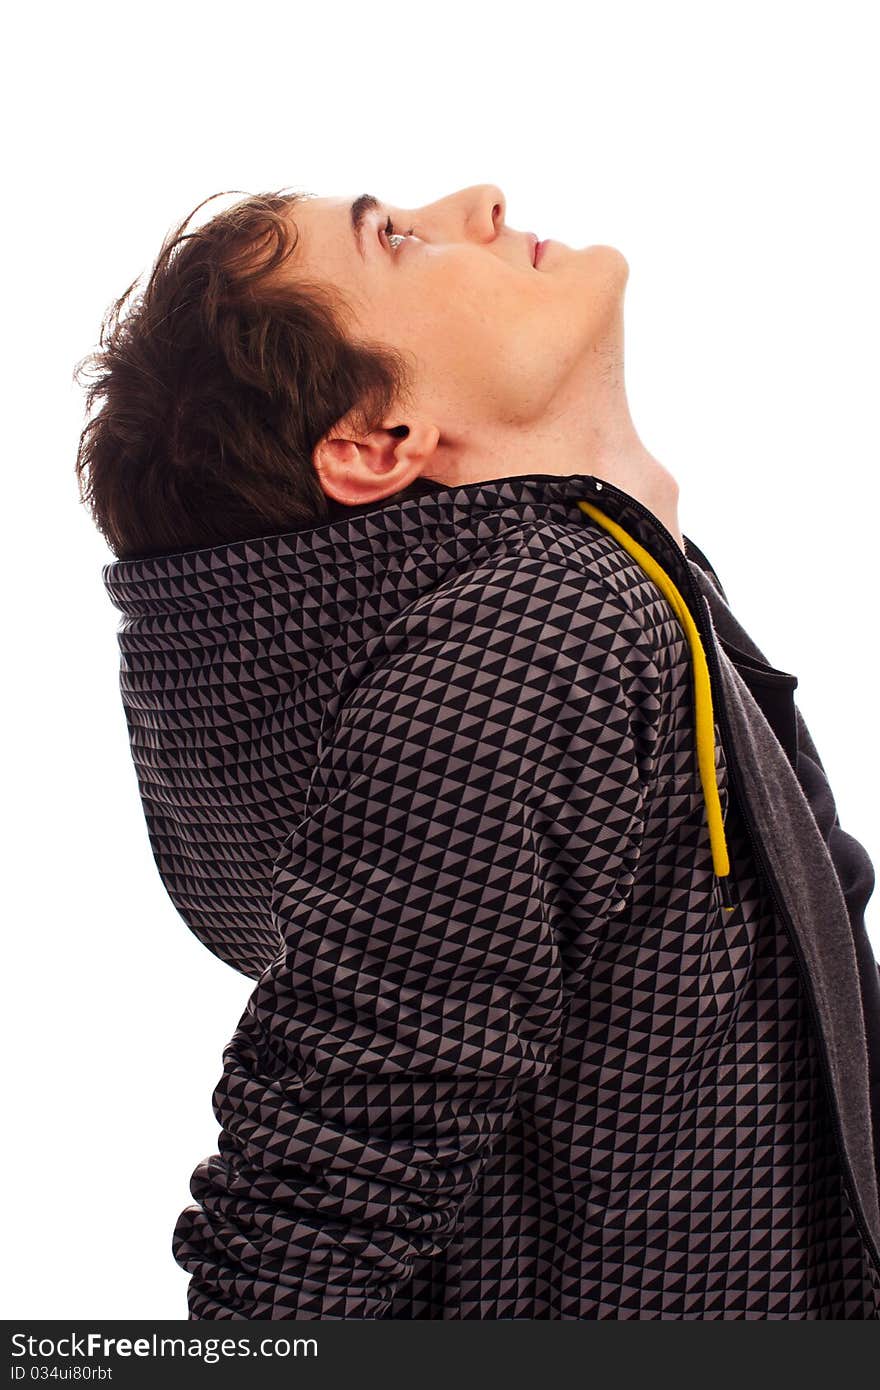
235	659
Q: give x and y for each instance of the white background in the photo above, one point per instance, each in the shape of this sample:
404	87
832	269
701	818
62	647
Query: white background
728	150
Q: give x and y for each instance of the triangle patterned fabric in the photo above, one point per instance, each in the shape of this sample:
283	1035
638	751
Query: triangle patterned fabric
428	775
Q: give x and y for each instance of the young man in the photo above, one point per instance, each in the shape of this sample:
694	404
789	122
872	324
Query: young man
564	1003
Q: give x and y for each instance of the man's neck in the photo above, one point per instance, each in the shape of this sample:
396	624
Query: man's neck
587	428
619	458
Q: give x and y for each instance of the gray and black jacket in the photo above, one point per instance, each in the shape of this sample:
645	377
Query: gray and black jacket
564	1005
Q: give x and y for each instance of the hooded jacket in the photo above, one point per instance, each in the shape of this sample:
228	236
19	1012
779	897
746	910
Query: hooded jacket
564	1005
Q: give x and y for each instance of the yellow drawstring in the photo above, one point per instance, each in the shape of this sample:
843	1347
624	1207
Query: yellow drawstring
702	688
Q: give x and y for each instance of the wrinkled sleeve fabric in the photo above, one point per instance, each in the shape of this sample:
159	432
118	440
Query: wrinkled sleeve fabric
419	990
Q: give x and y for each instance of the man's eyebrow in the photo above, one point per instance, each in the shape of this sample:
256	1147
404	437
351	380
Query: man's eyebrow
364	203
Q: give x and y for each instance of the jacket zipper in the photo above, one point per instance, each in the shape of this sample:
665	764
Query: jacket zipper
764	865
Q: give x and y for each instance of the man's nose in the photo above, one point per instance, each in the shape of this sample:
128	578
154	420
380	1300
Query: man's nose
475	213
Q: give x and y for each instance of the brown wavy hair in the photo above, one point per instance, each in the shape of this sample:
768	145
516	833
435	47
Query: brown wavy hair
216	382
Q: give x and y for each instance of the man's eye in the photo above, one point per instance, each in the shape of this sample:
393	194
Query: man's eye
393	237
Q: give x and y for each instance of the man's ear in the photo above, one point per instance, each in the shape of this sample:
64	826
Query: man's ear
356	470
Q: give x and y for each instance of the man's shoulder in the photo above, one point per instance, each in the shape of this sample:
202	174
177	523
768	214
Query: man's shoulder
536	583
580	565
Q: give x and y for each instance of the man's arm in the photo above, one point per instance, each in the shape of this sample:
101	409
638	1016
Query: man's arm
418	992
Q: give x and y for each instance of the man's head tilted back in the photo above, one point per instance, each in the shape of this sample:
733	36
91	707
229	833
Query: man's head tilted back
502	350
295	349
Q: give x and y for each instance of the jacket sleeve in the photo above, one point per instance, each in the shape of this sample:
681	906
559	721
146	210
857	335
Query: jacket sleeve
419	990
